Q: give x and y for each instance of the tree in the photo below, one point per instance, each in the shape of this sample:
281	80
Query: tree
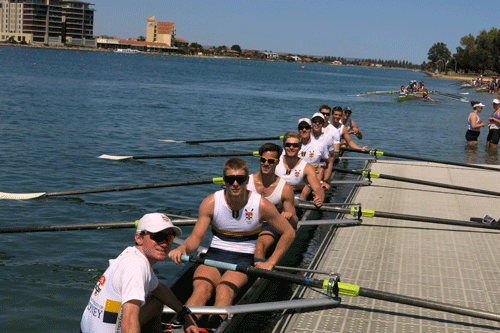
141	39
439	52
236	48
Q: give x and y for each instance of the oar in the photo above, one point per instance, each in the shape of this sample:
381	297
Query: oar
381	153
357	212
85	226
378	93
25	196
122	158
454	97
228	140
333	287
369	175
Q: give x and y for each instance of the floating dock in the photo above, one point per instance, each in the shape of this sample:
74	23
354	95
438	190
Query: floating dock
444	263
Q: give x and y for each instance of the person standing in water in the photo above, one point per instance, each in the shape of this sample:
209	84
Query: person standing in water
494	126
474	123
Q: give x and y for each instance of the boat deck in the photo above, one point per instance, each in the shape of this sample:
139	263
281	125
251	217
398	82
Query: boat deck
444	263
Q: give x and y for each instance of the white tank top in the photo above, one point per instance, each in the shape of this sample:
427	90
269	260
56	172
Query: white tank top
236	231
295	176
275	197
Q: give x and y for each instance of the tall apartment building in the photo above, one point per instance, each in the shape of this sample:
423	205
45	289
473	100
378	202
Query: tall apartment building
47	21
160	32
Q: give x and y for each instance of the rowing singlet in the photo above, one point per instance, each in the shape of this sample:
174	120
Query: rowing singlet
479	121
332	132
295	176
348	124
236	231
128	277
275	197
326	139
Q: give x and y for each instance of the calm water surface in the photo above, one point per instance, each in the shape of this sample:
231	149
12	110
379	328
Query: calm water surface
61	109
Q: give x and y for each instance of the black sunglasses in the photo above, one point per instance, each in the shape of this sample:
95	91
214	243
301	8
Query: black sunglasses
318	121
290	144
269	160
304	127
161	236
240	179
348	112
325	114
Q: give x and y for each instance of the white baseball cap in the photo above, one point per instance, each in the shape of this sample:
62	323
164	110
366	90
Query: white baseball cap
305	120
318	114
156	222
496	101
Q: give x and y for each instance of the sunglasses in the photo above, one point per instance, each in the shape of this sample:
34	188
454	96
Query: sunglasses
159	237
318	121
240	179
347	112
268	160
325	114
289	144
304	127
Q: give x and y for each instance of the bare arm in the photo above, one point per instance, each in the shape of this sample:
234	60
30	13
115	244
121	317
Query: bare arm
473	121
349	141
287	198
355	130
269	213
130	312
319	194
165	295
205	214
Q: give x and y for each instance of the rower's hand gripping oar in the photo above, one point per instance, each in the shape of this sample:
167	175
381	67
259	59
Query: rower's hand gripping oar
334	287
124	158
25	196
379	153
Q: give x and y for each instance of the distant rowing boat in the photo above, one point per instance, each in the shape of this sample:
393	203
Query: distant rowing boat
127	51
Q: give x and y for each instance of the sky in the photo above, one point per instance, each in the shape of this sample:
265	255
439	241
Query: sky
364	29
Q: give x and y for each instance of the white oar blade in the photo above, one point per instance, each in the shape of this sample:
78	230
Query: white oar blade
172	141
116	158
21	196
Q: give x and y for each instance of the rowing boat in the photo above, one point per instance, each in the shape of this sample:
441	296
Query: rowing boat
257	288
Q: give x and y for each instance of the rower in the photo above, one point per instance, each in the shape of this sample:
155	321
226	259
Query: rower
276	190
342	130
426	98
236	216
298	172
352	128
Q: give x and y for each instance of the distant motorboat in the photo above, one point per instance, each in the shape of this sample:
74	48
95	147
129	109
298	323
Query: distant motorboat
127	51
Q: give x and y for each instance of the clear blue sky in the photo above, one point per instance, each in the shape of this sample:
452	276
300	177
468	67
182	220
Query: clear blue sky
398	30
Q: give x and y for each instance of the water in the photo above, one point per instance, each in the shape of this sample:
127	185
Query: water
61	109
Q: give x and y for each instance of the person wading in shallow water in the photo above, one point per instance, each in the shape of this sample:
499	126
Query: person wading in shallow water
474	123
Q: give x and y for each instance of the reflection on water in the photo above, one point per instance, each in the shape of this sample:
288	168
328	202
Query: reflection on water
471	154
491	156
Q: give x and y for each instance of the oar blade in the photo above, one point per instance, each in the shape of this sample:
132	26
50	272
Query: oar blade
21	196
115	158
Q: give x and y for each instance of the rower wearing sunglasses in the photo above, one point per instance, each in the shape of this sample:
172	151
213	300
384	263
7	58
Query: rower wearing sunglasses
236	216
298	172
128	297
276	190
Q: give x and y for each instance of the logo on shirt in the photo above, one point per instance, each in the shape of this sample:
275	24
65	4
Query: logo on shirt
249	216
296	173
311	154
99	285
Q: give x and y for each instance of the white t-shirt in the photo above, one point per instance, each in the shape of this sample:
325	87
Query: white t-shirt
128	277
314	152
333	132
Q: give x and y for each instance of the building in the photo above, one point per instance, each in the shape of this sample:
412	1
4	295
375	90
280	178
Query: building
160	37
160	32
47	21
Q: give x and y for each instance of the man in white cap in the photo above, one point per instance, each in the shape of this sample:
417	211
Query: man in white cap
315	152
128	297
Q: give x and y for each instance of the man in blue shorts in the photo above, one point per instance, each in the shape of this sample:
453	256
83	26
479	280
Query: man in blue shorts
236	216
